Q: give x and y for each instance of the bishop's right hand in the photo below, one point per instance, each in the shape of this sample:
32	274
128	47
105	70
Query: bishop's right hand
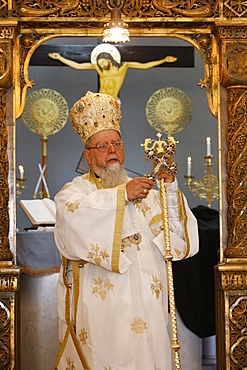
138	188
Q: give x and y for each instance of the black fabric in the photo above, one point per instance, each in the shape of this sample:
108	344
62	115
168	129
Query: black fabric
194	277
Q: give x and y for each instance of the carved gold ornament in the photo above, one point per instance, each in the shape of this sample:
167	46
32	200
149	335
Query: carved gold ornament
46	112
169	110
217	29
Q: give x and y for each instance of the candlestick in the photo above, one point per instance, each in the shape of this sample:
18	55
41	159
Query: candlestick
20	181
207	187
208	141
189	164
21	169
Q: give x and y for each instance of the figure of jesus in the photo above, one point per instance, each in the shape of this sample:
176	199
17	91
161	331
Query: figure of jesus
106	61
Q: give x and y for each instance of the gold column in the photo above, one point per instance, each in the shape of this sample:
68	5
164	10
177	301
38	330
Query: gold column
231	275
9	272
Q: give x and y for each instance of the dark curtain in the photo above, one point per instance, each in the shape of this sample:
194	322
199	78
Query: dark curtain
194	277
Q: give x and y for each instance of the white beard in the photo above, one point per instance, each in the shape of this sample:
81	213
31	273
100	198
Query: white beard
113	175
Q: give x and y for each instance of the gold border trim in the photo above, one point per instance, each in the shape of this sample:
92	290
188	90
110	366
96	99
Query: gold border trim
118	227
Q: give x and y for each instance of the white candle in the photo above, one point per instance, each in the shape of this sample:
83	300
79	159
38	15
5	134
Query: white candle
208	141
189	163
21	169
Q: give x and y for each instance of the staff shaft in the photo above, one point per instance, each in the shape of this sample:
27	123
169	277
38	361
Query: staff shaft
175	346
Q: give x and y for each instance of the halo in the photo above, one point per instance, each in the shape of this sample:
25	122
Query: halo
105	48
169	110
46	112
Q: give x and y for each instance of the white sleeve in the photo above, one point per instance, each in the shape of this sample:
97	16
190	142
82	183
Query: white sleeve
184	240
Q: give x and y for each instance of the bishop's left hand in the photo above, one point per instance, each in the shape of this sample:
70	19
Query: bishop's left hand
166	177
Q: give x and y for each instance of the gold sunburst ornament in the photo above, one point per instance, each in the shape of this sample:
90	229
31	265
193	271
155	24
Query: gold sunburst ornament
169	110
46	112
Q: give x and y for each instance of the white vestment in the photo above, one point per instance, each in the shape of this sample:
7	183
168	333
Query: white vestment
121	313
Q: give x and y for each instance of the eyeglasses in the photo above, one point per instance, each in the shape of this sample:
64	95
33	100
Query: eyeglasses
104	147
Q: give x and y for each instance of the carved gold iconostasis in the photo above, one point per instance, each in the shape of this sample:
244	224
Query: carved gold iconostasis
217	29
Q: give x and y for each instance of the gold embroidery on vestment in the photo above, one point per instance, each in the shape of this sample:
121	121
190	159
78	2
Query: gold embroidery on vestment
125	243
118	227
156	219
66	186
72	206
101	288
129	240
156	231
70	364
90	176
179	253
138	325
143	206
120	209
83	336
98	254
156	286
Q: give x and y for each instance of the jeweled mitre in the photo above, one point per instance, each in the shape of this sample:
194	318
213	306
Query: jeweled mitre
95	112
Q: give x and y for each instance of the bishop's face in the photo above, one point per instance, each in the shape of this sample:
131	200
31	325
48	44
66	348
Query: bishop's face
99	160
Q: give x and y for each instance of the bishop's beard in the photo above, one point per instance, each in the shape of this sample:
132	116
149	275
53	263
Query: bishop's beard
113	175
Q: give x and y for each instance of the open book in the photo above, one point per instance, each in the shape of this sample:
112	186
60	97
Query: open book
39	211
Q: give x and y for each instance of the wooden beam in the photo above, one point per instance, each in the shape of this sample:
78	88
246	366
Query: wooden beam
82	53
